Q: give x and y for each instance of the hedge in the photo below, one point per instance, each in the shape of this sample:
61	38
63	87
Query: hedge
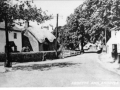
29	56
35	56
2	57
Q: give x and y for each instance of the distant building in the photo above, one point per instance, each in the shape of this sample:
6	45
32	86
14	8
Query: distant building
113	42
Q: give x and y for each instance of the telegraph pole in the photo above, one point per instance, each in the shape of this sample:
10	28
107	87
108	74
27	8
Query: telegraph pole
105	36
105	31
105	41
56	34
7	52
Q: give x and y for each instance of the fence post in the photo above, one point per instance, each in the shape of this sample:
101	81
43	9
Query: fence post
114	51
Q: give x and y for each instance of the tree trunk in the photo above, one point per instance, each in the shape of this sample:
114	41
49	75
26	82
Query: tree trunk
8	62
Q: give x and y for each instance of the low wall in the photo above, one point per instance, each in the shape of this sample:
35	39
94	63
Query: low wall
69	53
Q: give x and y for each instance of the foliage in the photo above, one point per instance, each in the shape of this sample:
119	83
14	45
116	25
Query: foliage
36	56
24	10
63	35
97	16
30	56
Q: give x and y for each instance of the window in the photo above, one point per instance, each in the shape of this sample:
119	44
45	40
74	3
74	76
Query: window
15	35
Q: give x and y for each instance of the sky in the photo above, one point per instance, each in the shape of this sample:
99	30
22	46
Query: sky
62	7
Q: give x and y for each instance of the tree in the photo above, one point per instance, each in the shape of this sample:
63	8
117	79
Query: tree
99	17
76	23
25	11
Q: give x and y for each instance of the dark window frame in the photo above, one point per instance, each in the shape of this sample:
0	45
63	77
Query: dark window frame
15	35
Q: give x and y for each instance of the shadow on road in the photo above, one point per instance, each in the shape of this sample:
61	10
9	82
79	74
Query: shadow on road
44	67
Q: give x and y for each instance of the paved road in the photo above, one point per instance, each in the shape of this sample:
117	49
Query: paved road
82	70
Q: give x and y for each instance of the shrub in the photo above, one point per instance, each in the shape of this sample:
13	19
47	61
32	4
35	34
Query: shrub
2	57
34	56
29	56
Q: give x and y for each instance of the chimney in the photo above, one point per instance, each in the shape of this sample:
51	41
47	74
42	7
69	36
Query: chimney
26	24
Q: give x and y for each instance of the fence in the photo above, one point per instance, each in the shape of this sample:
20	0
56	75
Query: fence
69	53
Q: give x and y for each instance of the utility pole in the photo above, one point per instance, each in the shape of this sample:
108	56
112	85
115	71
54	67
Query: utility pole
105	36
8	62
105	31
105	41
56	34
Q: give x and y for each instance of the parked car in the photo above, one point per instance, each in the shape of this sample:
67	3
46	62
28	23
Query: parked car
88	45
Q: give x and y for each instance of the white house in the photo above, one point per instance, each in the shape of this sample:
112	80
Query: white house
36	35
15	35
115	39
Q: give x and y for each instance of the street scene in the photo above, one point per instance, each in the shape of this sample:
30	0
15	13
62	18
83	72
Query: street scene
78	71
56	43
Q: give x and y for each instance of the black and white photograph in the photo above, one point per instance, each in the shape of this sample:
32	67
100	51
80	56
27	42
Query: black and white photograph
59	43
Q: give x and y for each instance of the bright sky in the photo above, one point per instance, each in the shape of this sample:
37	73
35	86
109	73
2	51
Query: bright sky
63	7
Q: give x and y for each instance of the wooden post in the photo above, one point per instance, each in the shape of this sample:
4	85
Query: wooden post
8	62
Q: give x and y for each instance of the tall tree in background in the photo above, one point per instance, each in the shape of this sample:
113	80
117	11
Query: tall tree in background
100	15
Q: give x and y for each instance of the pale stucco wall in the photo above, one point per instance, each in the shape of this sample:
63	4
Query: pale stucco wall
115	39
18	41
2	41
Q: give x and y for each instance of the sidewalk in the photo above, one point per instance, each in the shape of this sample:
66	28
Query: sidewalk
42	63
107	62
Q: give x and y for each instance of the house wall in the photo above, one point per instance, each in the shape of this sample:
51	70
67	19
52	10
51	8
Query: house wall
17	41
30	41
115	39
109	49
2	41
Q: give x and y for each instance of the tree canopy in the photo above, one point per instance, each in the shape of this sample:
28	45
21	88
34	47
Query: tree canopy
24	10
97	16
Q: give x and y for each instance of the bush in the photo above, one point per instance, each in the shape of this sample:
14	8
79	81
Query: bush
51	54
26	57
34	56
29	56
2	57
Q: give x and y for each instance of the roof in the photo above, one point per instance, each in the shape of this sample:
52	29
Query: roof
43	25
115	28
20	25
41	34
15	28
